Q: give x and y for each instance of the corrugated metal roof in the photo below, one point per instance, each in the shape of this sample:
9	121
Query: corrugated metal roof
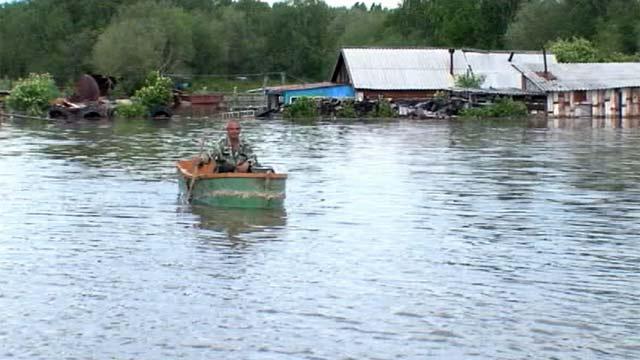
428	68
583	76
497	69
280	88
401	69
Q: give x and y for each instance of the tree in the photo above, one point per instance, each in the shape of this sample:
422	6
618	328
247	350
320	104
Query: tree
575	50
144	37
536	23
618	30
299	40
358	27
459	23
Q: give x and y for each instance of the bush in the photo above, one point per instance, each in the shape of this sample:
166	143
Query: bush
574	50
303	107
33	94
155	92
503	107
133	110
383	109
347	110
469	80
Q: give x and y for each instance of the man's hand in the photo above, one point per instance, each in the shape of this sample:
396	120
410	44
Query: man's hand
203	159
242	167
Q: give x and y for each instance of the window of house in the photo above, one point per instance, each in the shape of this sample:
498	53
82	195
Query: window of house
579	96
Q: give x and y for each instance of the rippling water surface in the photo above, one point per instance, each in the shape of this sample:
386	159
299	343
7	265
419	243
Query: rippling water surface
399	239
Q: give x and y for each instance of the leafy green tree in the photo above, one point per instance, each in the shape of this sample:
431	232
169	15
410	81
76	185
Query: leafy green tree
575	50
618	30
208	54
143	37
359	27
299	41
459	23
536	23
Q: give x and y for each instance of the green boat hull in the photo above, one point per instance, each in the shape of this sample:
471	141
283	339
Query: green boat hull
233	190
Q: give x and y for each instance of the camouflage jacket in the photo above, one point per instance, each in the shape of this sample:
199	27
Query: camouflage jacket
222	153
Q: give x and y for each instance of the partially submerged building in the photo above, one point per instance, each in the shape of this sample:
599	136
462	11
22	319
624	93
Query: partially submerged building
287	94
586	89
401	73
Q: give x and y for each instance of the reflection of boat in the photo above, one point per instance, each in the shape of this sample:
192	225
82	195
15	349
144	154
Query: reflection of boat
238	221
242	190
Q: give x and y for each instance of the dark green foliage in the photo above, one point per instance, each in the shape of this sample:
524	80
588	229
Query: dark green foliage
383	109
347	110
33	94
580	50
302	108
503	107
127	39
609	25
576	50
454	23
133	110
469	80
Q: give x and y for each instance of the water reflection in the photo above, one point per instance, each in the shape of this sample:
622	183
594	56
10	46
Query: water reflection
594	123
234	222
404	239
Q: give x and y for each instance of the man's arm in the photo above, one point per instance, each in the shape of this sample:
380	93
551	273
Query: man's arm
211	154
249	155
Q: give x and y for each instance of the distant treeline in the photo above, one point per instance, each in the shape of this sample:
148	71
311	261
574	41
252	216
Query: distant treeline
129	38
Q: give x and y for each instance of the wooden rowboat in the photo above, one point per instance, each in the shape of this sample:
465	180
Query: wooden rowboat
257	190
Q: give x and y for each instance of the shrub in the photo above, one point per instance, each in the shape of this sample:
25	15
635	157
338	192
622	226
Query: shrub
33	94
155	92
574	50
347	110
303	107
383	109
503	107
469	80
132	110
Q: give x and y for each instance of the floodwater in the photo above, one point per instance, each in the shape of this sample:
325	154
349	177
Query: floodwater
399	240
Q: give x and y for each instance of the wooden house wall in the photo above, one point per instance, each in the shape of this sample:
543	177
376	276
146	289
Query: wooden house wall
342	75
597	103
396	94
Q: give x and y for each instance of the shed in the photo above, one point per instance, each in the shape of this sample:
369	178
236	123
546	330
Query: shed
286	94
586	89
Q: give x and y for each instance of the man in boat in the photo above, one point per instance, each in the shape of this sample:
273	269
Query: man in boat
232	153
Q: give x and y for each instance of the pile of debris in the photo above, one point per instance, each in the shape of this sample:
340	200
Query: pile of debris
85	103
436	108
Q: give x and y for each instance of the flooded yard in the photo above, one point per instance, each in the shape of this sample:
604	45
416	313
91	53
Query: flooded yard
398	239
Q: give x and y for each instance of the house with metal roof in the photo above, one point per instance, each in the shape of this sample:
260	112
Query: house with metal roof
586	89
421	72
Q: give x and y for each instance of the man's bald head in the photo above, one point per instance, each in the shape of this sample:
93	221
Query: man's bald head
233	130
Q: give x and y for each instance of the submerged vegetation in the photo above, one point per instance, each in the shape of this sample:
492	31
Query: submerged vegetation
503	107
302	108
156	92
469	80
131	110
33	94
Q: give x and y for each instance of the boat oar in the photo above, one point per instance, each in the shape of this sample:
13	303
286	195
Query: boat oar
194	174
